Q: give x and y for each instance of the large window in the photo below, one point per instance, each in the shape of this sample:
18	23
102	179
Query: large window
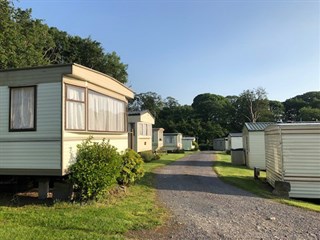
23	109
105	113
75	108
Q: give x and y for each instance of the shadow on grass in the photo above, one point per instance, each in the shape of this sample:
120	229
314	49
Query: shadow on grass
20	199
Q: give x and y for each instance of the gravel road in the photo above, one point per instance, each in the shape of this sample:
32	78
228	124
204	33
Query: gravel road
203	207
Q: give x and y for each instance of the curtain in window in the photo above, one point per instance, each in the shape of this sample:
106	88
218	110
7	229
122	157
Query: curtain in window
105	113
75	115
22	108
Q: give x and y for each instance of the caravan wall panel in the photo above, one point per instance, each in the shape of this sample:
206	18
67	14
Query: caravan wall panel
40	149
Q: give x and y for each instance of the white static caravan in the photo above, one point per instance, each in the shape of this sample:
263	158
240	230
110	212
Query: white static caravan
254	145
220	144
157	138
293	156
172	141
46	111
187	143
140	130
234	141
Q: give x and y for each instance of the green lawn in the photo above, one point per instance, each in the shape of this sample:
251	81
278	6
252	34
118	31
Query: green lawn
136	209
242	177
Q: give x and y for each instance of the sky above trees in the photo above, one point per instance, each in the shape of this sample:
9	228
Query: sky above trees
184	48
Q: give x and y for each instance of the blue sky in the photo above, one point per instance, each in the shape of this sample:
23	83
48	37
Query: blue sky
185	48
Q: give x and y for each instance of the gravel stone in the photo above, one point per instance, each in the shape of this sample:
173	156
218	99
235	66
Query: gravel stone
203	207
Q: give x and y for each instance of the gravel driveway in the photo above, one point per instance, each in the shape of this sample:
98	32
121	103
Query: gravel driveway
203	207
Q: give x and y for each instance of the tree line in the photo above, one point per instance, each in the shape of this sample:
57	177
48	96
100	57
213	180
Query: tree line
211	115
27	42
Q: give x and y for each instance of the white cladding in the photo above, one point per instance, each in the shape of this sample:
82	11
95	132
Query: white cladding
293	155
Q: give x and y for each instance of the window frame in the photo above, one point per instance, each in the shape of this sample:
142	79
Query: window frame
34	128
86	107
125	113
76	101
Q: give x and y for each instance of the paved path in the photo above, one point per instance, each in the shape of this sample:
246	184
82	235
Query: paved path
203	207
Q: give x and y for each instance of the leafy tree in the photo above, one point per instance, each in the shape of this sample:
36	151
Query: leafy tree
147	101
309	114
23	40
211	107
252	104
26	42
115	68
276	110
293	105
170	102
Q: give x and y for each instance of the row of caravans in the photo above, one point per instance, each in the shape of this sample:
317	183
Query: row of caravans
142	137
45	112
289	152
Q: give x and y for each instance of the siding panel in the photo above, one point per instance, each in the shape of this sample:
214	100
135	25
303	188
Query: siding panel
40	149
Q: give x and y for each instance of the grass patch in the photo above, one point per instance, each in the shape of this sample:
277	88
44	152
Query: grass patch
242	177
134	210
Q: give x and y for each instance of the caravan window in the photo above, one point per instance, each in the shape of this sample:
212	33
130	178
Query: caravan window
106	113
22	109
75	108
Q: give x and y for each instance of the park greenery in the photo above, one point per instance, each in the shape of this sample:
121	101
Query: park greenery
109	218
25	42
99	167
211	116
28	42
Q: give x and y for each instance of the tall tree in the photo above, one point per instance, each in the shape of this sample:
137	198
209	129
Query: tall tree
252	104
115	68
306	100
211	107
276	110
26	42
309	114
23	40
171	102
147	101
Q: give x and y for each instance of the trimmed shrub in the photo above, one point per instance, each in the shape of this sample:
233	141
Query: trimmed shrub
147	156
176	151
97	168
132	168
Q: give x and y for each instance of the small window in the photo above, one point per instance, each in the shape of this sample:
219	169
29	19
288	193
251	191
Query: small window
22	109
75	108
169	139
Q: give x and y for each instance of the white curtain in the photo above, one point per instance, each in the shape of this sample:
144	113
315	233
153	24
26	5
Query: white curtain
145	129
105	113
75	108
22	108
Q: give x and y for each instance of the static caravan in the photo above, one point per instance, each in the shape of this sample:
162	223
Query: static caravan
140	130
234	141
46	111
293	156
157	138
172	141
253	144
220	144
187	143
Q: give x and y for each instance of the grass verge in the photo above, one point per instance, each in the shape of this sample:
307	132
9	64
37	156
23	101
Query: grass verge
242	177
134	210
